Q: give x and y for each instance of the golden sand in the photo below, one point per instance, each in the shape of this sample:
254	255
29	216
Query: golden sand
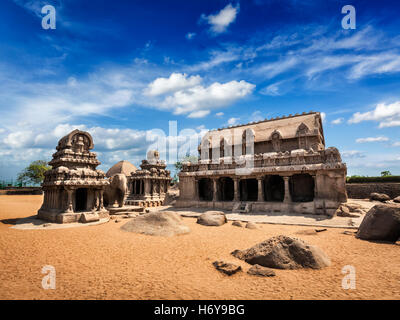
104	262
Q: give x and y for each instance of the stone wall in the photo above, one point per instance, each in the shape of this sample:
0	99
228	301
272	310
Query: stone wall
22	191
363	190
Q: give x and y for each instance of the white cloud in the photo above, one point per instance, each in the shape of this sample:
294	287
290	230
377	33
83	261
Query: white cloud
175	82
271	90
233	121
388	115
323	116
337	121
396	144
190	35
219	114
206	98
220	21
198	114
372	139
352	154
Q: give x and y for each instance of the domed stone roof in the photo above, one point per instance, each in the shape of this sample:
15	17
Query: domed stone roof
123	166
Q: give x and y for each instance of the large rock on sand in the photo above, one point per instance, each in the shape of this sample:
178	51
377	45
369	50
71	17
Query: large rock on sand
382	222
157	223
212	218
284	252
397	199
227	267
379	197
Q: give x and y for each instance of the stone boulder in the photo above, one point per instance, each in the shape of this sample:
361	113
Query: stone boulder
261	271
251	225
157	223
379	197
382	222
227	267
397	199
284	252
212	218
237	224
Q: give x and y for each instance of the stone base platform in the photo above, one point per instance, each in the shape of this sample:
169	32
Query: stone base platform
144	203
125	210
71	217
318	207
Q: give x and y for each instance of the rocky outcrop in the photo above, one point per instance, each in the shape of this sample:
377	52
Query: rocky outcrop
261	271
212	218
382	222
351	210
158	223
379	197
284	252
227	267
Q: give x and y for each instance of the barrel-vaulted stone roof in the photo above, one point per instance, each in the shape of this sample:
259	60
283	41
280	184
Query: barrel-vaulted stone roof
123	166
287	126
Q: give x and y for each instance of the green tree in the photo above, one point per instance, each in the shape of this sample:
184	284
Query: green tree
34	173
385	173
178	165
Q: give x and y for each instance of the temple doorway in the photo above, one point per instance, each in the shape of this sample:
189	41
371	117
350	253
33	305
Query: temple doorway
248	190
226	189
80	199
302	187
274	188
205	189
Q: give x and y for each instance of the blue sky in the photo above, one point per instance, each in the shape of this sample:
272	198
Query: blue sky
121	68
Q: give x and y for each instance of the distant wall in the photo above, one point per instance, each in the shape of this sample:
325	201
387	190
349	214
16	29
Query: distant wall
22	191
363	190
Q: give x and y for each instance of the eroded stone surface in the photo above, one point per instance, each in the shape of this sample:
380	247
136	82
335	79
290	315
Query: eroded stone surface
261	271
382	222
227	267
212	218
284	252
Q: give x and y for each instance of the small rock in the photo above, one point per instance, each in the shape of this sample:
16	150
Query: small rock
397	199
349	233
307	232
251	225
212	218
320	230
116	221
353	206
261	271
227	267
237	224
46	225
379	197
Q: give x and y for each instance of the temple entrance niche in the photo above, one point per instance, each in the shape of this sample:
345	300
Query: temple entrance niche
205	189
248	190
81	199
274	188
302	187
226	189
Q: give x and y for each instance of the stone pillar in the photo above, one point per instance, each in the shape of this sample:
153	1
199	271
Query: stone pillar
287	198
196	189
236	194
260	189
315	186
69	201
101	207
214	189
134	183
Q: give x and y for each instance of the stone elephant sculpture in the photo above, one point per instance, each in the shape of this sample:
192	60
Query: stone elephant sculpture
116	190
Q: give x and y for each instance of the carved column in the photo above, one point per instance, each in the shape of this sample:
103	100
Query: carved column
69	201
260	189
214	189
236	194
287	198
196	189
101	207
315	186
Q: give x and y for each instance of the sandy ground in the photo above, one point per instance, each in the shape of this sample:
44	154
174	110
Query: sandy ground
104	262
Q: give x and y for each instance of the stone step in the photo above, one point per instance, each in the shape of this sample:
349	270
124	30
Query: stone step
125	210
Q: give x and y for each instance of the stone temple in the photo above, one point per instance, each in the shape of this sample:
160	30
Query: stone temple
274	165
148	186
74	188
